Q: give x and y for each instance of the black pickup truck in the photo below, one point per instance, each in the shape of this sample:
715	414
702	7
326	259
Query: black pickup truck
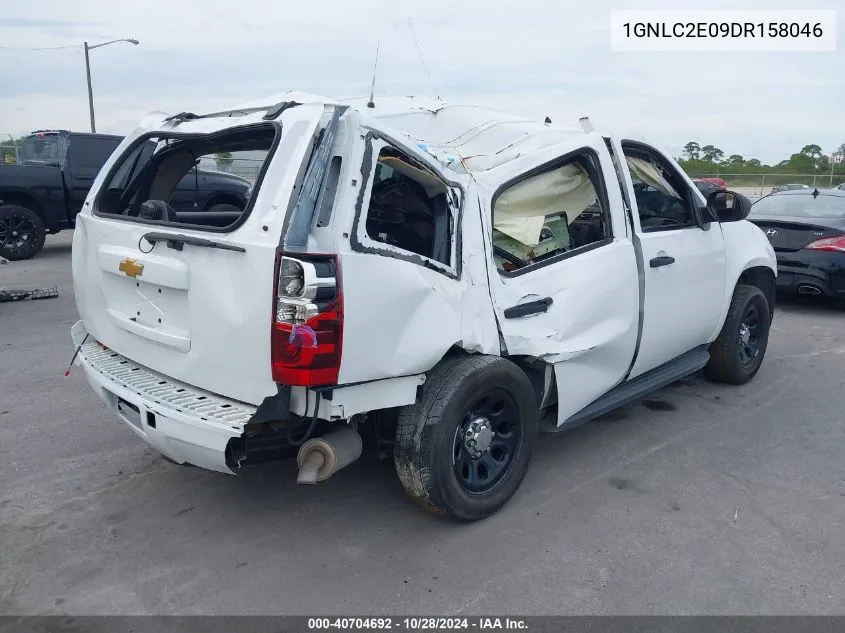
46	188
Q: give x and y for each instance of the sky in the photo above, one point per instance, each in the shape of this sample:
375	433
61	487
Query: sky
531	57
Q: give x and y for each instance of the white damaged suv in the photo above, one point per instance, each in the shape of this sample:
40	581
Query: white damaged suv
445	280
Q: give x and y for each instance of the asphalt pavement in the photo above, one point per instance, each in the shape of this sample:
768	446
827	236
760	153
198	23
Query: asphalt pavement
702	499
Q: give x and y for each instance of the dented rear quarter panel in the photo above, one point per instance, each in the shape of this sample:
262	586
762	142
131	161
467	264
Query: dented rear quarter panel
400	316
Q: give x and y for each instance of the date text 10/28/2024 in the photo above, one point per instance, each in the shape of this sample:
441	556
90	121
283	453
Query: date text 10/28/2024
417	624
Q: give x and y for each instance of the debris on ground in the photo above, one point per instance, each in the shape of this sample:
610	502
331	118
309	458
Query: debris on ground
20	294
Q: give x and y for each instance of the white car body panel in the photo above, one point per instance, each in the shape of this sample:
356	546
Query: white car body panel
746	247
405	314
588	337
682	301
401	314
200	315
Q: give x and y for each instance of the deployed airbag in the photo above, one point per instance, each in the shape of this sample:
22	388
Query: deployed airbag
521	211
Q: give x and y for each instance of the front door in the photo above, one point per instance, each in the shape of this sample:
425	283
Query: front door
563	272
684	264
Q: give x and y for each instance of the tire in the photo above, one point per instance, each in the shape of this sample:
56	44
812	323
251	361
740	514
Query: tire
224	207
22	233
731	358
436	468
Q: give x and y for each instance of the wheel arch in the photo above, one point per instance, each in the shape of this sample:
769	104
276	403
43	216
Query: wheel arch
224	198
763	278
759	273
23	199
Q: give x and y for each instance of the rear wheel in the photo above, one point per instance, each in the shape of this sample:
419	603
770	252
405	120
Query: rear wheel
22	232
464	448
736	355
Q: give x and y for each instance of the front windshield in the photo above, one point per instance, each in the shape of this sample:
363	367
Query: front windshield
798	206
39	149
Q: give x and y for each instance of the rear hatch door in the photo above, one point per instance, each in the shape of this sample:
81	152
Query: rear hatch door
198	309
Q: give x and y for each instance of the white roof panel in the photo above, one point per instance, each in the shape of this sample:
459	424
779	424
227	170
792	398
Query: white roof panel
479	138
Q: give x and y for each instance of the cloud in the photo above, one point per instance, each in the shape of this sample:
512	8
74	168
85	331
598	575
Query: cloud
28	23
535	57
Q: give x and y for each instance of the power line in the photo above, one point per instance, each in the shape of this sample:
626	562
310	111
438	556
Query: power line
422	60
8	49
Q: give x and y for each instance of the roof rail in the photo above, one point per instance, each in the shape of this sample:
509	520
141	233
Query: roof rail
586	124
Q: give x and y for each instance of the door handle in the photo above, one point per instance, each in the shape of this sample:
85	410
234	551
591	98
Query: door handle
526	309
663	260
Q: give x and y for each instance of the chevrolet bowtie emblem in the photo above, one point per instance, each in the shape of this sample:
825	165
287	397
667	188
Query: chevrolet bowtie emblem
130	268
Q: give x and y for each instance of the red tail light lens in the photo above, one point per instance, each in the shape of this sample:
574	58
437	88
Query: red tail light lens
307	328
831	244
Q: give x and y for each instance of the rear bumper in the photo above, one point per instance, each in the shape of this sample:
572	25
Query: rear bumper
802	270
184	423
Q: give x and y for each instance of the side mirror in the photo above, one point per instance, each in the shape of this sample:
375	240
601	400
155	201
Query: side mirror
728	206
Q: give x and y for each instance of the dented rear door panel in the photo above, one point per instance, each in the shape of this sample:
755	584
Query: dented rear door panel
588	331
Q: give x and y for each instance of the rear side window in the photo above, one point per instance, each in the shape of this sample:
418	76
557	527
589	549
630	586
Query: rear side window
91	153
409	208
198	180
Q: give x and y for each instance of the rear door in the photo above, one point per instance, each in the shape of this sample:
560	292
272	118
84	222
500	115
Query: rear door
573	301
198	314
86	156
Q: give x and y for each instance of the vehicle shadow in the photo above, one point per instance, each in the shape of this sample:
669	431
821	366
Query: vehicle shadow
268	494
798	303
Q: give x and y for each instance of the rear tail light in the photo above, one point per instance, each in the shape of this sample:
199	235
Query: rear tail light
307	329
831	244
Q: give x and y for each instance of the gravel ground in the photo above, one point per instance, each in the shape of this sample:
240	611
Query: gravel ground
702	499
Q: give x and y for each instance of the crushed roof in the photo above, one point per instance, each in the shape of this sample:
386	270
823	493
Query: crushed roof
463	137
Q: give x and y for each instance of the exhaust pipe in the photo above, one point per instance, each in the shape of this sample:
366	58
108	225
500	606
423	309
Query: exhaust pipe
321	457
806	289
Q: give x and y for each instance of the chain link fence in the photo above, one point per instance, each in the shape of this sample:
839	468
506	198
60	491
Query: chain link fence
757	185
752	185
8	149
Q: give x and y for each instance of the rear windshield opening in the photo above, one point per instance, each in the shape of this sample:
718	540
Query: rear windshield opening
409	208
42	149
199	181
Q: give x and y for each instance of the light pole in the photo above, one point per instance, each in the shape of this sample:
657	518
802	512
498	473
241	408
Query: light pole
88	74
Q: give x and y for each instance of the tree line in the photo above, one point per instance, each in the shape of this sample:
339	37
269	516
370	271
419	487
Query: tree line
709	159
696	159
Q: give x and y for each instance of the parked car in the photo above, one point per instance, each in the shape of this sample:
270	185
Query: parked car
791	187
719	182
449	298
840	187
45	190
706	185
807	230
